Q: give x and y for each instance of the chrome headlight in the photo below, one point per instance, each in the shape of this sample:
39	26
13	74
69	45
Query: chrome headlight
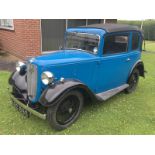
19	64
47	77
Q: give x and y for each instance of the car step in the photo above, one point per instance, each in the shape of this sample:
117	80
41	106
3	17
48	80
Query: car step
106	95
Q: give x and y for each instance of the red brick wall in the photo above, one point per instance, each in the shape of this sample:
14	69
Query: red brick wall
24	40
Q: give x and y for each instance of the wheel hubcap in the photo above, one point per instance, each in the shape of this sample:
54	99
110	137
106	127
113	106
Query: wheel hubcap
67	110
70	110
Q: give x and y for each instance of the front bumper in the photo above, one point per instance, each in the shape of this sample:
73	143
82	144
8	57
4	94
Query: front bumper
26	106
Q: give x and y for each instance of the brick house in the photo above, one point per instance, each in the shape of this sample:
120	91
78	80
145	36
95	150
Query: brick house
30	37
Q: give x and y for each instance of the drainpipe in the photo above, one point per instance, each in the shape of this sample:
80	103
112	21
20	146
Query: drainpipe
141	27
66	24
41	42
86	22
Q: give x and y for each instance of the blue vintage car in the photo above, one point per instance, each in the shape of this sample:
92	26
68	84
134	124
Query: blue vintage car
96	62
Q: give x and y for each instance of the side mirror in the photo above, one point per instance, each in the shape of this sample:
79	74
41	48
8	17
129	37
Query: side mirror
95	50
60	47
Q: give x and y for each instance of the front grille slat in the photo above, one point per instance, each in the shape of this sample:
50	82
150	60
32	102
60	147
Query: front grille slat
31	81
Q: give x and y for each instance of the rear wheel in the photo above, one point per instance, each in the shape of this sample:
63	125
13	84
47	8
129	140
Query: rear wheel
133	81
66	111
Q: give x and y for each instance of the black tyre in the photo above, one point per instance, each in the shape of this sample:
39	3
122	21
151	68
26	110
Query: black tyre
65	112
133	81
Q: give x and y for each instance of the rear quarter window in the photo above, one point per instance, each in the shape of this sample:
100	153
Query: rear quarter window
135	40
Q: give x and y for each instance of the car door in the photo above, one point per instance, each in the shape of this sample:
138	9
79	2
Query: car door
115	64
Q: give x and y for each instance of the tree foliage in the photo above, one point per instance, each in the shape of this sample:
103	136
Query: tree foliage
148	27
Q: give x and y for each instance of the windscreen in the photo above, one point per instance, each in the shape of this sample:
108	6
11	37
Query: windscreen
82	41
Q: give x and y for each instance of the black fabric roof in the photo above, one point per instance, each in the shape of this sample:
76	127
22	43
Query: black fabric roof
113	27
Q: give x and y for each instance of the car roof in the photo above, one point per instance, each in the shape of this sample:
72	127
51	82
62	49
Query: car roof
114	27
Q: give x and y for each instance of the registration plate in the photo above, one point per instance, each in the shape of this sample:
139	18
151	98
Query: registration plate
21	109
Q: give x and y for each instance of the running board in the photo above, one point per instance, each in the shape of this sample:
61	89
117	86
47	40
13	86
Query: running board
106	95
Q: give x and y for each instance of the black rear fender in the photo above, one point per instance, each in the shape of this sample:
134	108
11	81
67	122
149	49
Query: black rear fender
140	66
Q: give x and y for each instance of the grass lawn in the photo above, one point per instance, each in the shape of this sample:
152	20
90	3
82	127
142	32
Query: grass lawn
149	46
122	114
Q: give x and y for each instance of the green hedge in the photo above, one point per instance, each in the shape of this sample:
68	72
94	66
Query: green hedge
148	27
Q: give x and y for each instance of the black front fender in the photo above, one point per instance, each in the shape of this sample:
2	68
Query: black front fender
18	80
53	94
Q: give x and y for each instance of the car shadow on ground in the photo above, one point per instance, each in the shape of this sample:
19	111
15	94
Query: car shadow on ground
149	52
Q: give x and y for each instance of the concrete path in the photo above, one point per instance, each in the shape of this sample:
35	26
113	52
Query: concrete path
7	61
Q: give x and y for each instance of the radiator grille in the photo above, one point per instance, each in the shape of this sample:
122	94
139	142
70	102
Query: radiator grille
31	81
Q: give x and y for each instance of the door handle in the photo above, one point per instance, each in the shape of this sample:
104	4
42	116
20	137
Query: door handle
128	59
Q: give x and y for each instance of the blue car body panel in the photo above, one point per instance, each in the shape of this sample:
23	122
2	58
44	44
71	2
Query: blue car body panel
99	72
68	64
63	57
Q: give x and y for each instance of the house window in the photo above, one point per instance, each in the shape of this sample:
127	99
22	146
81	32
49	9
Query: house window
7	24
115	44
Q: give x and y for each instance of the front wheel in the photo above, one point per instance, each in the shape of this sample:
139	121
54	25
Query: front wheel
133	81
65	112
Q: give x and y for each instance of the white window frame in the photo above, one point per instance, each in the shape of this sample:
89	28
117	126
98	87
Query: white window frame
7	27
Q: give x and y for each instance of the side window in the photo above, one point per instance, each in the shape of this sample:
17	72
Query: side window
135	41
115	44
